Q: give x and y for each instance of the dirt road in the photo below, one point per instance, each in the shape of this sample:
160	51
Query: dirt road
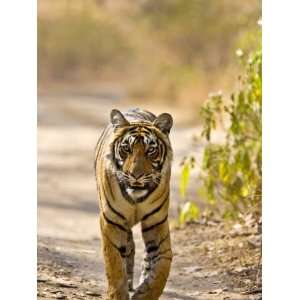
211	261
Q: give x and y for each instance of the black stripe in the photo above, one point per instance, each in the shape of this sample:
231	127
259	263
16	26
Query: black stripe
163	257
165	251
140	115
100	140
153	247
155	210
127	255
137	128
148	132
121	249
164	239
113	223
163	150
160	253
131	130
111	242
155	225
107	201
159	196
115	211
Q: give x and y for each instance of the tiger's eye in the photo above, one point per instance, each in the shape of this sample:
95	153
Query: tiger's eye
151	149
125	148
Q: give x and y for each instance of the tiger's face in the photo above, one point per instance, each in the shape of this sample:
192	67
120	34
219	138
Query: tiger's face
139	156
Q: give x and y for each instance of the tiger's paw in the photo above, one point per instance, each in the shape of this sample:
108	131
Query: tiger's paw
117	295
143	292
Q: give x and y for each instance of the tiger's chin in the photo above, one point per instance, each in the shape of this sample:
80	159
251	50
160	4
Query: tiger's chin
136	194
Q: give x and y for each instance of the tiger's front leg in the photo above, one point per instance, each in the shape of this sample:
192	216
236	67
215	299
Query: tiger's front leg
157	261
114	247
130	261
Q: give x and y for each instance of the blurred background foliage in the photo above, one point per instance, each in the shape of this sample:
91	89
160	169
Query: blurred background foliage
171	50
230	171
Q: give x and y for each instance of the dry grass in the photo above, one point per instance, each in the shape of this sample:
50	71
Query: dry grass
177	57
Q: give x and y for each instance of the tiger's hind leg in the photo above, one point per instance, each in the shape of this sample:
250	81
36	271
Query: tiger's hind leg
130	261
157	262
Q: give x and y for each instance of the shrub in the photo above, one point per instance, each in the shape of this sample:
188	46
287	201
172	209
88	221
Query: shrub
230	172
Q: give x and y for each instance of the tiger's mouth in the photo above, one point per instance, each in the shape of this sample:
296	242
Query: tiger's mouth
137	192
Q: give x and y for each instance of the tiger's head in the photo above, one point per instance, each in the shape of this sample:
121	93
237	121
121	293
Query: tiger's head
140	151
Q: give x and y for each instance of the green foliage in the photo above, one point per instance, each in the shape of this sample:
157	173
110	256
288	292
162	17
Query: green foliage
184	180
189	213
231	170
207	113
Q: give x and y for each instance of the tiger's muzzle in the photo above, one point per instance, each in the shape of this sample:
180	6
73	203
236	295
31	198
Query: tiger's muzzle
138	188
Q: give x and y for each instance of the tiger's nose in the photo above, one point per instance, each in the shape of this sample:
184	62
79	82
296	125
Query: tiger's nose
137	174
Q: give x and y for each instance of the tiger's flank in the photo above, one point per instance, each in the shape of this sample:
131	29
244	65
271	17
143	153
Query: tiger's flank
133	167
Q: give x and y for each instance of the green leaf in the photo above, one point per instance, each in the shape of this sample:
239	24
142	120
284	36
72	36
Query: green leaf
189	212
244	191
223	170
184	180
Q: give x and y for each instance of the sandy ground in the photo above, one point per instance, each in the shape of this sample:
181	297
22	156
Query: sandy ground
211	260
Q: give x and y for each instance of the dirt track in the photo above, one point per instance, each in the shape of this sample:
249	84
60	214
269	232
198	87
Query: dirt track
211	261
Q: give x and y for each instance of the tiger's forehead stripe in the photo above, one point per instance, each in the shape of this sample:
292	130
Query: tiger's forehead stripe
146	134
141	127
141	130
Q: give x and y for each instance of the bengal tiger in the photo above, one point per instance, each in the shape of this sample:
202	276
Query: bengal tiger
133	166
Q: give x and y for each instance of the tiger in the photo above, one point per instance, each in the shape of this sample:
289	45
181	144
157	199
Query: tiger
132	168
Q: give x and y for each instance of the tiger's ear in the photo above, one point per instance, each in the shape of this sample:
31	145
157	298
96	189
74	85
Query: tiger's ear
164	122
117	119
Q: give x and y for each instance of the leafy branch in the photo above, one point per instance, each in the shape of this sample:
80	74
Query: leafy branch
230	171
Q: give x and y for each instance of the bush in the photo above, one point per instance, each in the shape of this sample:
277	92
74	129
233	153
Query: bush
230	172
